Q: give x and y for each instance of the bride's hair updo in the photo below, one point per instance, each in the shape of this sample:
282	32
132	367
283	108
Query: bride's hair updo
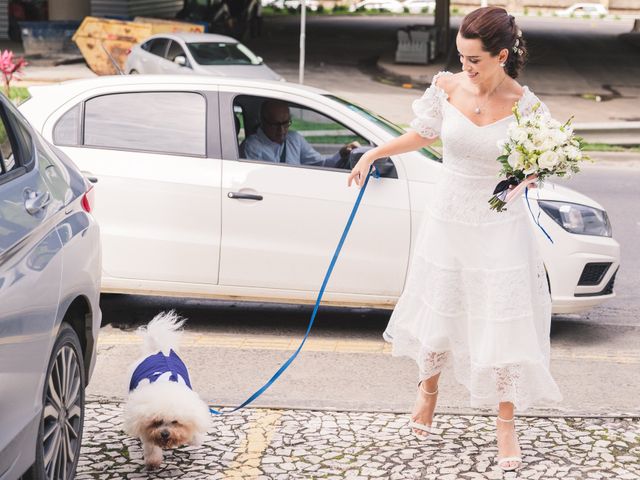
497	30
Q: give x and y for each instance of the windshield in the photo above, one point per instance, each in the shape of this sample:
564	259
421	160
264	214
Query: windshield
385	124
222	53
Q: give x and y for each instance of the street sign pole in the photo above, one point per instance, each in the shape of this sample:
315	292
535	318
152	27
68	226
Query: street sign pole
303	30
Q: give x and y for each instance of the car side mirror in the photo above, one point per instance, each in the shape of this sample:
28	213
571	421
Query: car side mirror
180	60
384	165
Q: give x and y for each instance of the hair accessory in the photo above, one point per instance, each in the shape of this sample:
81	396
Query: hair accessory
515	47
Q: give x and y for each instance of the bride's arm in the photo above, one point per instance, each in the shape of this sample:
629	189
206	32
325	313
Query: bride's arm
407	142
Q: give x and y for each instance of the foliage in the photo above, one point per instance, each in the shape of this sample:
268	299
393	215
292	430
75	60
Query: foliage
10	69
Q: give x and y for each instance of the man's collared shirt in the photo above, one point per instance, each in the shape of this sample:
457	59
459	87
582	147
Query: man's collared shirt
298	151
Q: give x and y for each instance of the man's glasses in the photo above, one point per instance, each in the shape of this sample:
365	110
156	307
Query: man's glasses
286	124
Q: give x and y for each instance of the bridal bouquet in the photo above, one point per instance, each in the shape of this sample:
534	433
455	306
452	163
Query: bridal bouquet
537	147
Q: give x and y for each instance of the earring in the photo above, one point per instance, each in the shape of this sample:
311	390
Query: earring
502	64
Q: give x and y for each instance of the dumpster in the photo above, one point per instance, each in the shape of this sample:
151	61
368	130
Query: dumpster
104	41
416	44
48	38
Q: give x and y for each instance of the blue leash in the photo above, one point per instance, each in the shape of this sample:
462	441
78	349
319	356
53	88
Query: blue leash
286	364
536	220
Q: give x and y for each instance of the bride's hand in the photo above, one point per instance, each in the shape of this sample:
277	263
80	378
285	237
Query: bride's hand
532	180
361	170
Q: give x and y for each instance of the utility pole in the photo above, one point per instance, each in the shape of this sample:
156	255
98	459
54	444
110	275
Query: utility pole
303	34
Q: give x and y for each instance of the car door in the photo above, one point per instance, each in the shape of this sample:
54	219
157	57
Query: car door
154	58
31	207
155	158
279	242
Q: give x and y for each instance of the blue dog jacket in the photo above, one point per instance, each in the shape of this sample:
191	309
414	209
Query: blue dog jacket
159	366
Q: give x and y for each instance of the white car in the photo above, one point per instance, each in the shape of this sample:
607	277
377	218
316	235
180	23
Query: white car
593	10
391	6
186	53
295	4
419	6
182	214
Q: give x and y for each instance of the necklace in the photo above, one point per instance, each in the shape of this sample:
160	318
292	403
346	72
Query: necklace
479	108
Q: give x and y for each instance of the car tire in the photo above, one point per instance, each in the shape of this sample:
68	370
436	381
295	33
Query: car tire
61	423
133	72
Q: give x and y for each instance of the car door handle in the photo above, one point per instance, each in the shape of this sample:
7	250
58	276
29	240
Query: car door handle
36	201
245	196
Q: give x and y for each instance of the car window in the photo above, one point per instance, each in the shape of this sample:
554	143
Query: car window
163	122
304	138
222	53
158	46
67	129
8	162
385	124
146	45
174	50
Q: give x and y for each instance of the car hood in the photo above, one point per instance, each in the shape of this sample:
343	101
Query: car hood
243	71
554	192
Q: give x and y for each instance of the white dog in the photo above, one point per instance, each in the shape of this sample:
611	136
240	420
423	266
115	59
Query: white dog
162	409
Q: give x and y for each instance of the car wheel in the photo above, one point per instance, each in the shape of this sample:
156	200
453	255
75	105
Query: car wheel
133	72
60	431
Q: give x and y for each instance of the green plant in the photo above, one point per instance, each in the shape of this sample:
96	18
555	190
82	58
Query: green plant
455	11
526	10
10	69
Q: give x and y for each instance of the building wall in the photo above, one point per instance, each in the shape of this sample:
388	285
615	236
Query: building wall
4	19
133	8
69	9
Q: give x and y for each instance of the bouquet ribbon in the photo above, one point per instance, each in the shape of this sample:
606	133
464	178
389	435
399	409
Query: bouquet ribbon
535	219
373	172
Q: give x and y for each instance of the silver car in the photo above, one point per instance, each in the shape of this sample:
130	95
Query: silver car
200	53
50	262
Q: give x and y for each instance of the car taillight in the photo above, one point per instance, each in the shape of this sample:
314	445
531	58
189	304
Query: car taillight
88	200
128	51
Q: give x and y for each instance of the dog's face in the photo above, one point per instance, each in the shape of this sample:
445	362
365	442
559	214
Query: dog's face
168	432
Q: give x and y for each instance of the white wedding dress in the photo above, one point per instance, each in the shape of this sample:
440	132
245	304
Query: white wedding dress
476	292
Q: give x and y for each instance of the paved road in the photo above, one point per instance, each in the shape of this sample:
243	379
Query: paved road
302	444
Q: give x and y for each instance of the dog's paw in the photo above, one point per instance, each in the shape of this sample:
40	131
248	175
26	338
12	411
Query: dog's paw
152	465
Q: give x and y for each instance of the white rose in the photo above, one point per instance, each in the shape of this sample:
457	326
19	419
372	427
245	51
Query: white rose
558	136
519	135
573	153
515	159
548	159
548	144
529	146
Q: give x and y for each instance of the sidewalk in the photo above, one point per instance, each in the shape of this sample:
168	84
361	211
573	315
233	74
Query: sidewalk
305	444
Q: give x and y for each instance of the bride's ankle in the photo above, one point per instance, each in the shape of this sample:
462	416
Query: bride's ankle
428	390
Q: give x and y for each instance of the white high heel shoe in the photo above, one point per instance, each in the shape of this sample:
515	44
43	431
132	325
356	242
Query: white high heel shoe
515	461
421	426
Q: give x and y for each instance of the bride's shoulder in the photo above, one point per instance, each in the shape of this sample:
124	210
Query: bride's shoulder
446	81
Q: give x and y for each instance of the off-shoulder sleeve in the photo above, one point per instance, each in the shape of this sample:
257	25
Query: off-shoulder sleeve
428	109
529	100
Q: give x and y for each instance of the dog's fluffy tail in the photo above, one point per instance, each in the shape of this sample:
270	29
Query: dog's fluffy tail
162	333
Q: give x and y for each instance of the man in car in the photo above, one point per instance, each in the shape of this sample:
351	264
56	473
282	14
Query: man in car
274	142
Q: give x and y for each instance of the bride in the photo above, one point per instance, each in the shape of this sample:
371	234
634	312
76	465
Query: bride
476	294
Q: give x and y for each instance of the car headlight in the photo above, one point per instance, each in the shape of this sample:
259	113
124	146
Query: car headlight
576	218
